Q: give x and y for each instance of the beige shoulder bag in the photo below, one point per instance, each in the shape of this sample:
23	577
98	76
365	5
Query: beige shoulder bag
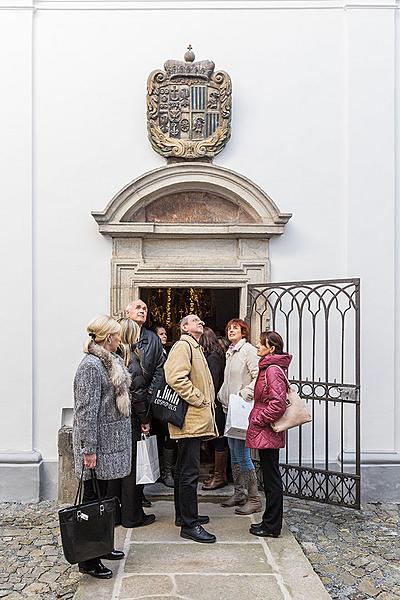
296	412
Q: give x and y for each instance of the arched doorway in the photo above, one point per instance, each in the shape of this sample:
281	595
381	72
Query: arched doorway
189	225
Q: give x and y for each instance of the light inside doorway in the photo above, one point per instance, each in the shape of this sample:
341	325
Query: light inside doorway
167	306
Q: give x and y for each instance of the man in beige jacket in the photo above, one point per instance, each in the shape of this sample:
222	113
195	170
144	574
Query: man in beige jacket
187	372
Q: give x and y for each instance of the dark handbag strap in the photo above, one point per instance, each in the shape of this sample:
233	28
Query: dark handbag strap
79	492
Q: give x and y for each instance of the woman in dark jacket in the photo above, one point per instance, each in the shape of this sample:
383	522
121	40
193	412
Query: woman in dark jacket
215	357
269	405
132	514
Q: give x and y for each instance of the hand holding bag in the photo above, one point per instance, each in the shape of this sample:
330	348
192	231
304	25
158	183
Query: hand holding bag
237	419
296	412
147	463
87	530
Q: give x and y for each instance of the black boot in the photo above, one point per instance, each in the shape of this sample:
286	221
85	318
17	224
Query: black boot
168	465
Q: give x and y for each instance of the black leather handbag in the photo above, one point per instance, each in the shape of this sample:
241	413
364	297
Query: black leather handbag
87	530
167	406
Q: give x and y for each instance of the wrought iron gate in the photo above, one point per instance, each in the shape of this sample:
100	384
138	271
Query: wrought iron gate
320	324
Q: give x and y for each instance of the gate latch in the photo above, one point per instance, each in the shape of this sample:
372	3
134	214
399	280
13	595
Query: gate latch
348	393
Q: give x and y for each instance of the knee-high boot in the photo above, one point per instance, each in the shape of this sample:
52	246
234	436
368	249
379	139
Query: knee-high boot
253	503
219	478
239	497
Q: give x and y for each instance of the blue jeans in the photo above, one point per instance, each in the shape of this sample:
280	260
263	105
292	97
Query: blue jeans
240	454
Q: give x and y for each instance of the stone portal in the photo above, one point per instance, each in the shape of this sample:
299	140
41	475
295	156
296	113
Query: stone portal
189	224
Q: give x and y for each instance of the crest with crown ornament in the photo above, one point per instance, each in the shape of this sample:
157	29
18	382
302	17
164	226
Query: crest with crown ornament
189	108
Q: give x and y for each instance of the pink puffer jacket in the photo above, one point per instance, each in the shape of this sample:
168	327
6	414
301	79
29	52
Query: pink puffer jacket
269	403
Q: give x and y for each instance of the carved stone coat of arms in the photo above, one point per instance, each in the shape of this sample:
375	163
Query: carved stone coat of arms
189	108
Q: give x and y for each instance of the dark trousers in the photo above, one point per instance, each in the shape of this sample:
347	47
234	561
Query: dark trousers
273	488
89	494
187	473
126	489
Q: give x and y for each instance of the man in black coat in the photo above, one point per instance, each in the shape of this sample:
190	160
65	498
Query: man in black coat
149	345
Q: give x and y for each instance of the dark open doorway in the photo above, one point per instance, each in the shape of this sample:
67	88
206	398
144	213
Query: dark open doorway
216	306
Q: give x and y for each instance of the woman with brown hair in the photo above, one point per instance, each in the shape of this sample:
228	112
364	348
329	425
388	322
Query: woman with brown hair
240	374
215	358
269	405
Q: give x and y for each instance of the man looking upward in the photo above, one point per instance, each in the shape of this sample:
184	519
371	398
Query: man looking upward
149	345
187	372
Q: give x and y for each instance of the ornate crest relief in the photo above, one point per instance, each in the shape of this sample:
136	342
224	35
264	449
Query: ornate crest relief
189	108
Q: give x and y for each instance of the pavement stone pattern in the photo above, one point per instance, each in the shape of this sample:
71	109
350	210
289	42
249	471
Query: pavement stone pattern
159	563
355	553
31	559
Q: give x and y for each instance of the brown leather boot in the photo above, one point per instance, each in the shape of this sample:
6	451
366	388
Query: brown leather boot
239	497
253	503
219	478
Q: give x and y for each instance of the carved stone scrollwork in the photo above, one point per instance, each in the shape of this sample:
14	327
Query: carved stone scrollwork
189	109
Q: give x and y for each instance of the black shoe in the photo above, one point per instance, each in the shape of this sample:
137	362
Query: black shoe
201	519
146	502
198	534
261	531
99	571
114	555
147	520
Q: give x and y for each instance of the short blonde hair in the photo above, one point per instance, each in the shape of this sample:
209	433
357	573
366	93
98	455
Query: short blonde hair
99	328
130	332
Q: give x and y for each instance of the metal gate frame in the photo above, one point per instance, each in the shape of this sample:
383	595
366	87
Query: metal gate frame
302	478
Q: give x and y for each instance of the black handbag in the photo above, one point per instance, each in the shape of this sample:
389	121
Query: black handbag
87	530
166	405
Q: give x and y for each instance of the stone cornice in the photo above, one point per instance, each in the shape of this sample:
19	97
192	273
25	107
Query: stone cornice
191	176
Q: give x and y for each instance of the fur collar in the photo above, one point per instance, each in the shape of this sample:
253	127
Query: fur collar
118	374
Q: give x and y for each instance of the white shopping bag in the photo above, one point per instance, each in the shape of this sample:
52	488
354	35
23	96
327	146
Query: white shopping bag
237	419
147	463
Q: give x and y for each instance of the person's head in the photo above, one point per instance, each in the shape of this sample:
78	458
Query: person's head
162	334
209	341
192	324
130	332
237	329
137	311
270	343
223	342
105	331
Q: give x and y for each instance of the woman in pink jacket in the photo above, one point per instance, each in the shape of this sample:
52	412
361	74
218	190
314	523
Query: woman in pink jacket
269	405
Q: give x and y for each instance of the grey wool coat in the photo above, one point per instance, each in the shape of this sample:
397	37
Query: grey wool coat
99	427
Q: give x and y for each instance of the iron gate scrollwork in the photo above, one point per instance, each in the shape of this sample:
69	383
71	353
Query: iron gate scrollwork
320	324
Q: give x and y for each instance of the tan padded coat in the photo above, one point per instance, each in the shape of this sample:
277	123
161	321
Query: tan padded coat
187	372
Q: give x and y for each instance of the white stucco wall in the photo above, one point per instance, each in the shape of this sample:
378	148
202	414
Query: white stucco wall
313	125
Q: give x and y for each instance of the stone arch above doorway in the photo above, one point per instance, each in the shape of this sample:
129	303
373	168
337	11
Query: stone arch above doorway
186	225
191	207
219	198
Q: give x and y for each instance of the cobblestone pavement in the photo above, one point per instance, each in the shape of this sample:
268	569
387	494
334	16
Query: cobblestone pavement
31	560
356	554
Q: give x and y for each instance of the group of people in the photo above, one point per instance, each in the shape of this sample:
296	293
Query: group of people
124	363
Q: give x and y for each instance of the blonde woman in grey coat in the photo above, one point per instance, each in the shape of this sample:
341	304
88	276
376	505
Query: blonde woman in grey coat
102	426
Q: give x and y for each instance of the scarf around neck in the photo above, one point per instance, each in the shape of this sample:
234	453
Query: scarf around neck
118	374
